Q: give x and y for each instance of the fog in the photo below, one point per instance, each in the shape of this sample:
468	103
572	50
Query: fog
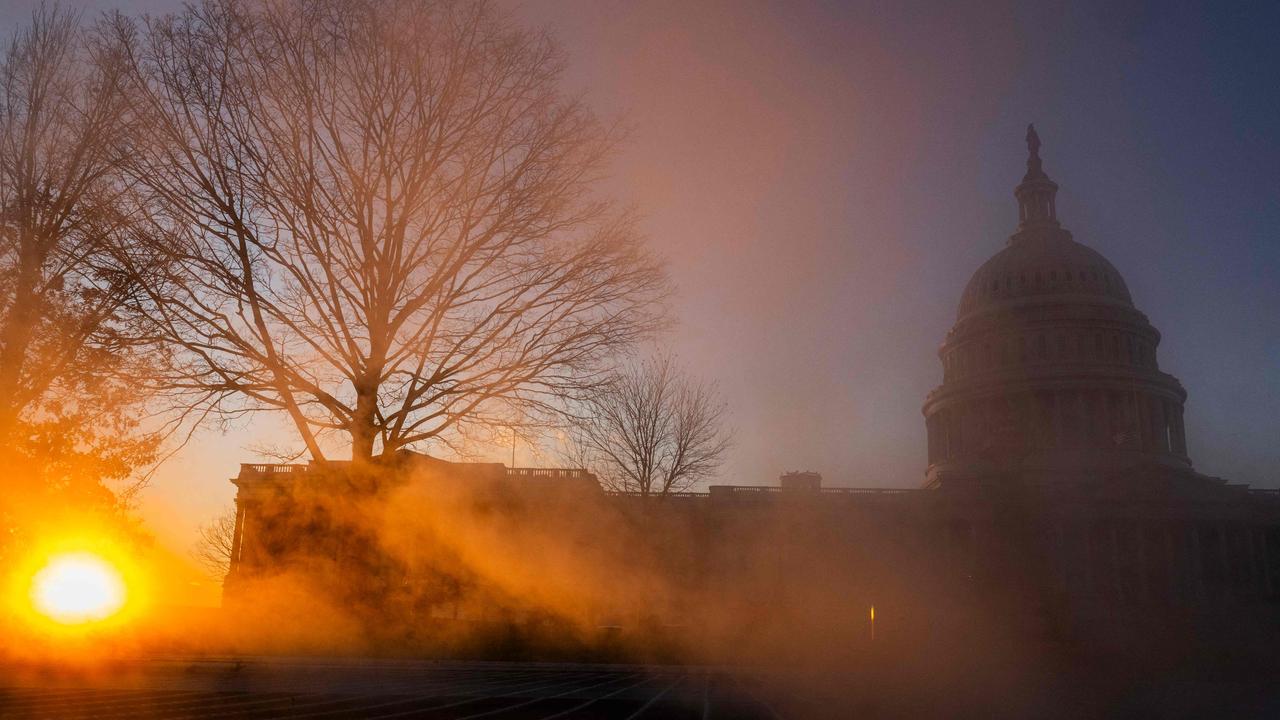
824	180
785	199
458	562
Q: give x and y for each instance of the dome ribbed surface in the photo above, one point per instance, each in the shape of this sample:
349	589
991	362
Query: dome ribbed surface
1051	266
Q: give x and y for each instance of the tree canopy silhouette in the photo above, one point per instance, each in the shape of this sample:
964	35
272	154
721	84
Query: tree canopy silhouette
650	430
382	219
70	342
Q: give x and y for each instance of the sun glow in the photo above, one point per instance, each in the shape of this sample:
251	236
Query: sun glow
79	596
77	588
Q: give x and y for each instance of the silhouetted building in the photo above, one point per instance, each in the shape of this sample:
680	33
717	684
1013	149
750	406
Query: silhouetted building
1050	368
810	481
1054	408
1059	495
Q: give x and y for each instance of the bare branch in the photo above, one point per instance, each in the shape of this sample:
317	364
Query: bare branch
214	544
650	430
384	218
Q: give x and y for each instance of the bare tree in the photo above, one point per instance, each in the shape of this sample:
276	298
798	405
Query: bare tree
214	543
69	343
650	430
385	221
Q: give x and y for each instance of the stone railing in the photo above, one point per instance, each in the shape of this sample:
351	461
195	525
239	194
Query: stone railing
270	468
776	490
770	490
567	473
656	496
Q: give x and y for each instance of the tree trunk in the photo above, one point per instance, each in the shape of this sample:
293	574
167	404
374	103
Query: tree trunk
363	426
17	334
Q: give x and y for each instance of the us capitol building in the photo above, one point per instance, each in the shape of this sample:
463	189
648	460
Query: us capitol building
1050	369
1059	496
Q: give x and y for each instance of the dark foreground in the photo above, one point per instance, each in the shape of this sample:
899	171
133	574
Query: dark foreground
337	689
340	688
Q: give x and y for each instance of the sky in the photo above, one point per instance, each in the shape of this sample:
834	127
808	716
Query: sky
824	177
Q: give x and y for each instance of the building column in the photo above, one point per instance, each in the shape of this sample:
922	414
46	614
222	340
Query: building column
1060	542
1197	565
1224	553
1267	586
1088	566
1177	440
932	429
974	555
236	539
1079	418
1117	586
1102	416
1144	579
1255	567
1055	419
1160	424
1141	420
1179	430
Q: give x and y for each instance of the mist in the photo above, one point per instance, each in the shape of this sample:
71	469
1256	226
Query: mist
465	561
514	318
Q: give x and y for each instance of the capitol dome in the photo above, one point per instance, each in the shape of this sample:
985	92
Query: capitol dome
1050	367
1040	267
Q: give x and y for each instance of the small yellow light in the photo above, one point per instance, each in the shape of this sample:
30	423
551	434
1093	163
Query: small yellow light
79	587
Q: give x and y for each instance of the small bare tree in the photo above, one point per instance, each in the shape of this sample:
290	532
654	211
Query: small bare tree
69	342
650	430
214	544
384	219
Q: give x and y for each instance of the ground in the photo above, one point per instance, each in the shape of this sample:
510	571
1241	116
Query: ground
159	688
349	688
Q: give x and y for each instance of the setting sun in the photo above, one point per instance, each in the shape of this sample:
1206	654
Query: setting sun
77	588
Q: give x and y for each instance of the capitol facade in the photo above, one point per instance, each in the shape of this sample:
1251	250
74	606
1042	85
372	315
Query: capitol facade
1059	500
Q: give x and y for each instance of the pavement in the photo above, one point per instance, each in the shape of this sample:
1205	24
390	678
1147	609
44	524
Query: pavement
269	687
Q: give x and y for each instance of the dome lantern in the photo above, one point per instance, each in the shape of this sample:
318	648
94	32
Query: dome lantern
1036	193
